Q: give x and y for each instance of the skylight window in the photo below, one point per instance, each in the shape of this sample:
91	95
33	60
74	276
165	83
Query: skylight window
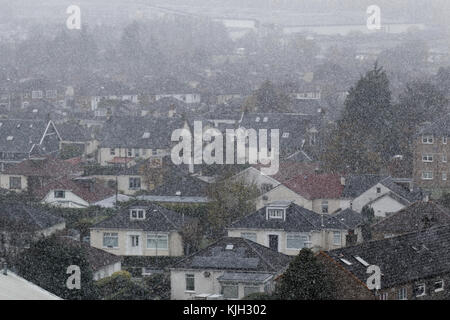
229	247
362	261
9	138
346	261
265	119
146	135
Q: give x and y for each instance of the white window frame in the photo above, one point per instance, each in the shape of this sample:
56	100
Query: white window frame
424	290
306	240
130	187
63	194
441	288
234	285
403	293
444	157
190	276
137	214
324	205
335	235
427	157
246	235
444	176
444	140
156	237
427	139
112	151
114	235
427	175
275	213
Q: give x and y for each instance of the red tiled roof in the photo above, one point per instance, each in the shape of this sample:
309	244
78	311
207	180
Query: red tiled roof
97	193
316	186
48	167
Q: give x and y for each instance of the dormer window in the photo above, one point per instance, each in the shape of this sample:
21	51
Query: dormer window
137	214
275	213
427	139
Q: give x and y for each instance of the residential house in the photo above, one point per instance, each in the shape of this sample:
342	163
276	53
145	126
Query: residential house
413	266
418	216
79	192
142	230
379	192
21	223
32	174
128	138
76	140
231	268
20	139
430	165
178	186
320	193
287	228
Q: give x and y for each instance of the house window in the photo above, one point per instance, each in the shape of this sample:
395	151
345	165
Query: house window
444	176
249	236
438	285
427	139
230	291
378	190
444	140
324	206
402	294
136	152
444	157
154	152
420	290
157	241
248	290
110	240
15	183
275	213
190	282
337	238
427	175
36	94
427	158
50	93
297	241
266	187
137	214
59	194
112	151
134	183
129	152
384	296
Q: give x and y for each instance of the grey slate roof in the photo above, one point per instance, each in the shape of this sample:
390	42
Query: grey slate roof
350	218
157	218
16	216
25	133
127	132
73	132
413	218
402	259
176	180
244	255
298	219
355	185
